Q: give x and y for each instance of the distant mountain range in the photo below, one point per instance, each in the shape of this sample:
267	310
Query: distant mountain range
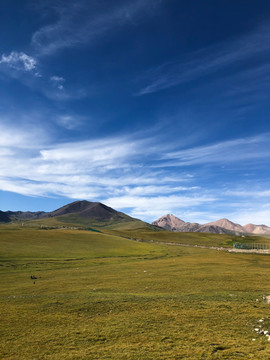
86	213
222	226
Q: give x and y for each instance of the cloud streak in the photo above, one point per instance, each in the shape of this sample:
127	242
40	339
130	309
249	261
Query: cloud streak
207	61
82	22
225	152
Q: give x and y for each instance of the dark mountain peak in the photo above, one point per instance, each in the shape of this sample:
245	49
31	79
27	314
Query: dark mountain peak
100	211
74	207
87	209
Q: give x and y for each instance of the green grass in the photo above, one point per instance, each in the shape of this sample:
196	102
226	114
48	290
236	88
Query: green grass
99	296
30	243
78	222
204	239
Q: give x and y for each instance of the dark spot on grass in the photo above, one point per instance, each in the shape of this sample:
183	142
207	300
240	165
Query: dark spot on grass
219	348
165	338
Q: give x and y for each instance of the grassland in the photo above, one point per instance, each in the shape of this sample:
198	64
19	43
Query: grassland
203	239
102	296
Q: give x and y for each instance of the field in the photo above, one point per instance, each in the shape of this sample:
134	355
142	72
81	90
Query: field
103	296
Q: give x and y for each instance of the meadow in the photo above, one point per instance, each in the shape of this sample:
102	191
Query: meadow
103	296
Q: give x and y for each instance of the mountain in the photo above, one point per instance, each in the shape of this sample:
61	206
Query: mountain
97	215
87	209
222	226
78	214
84	209
169	222
173	223
25	215
213	229
237	228
92	214
257	229
4	217
227	224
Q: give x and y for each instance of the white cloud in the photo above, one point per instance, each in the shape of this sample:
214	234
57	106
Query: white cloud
68	121
87	169
153	207
155	189
102	152
166	202
57	79
118	171
252	216
12	137
19	61
58	82
249	193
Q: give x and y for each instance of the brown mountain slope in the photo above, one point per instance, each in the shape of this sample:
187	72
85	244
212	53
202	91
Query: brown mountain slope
173	223
169	222
257	229
222	226
227	224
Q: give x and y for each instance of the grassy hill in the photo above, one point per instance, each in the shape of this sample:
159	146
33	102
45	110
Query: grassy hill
102	296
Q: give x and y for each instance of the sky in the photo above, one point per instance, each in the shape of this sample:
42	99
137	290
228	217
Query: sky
150	107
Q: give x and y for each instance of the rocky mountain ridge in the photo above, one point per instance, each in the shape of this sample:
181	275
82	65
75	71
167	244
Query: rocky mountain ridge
222	226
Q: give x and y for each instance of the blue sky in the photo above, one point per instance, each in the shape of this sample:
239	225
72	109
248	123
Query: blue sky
151	107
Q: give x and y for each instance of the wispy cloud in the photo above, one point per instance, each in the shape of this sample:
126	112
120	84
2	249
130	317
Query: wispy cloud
30	137
120	171
156	206
225	152
69	122
247	193
82	22
94	169
208	61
